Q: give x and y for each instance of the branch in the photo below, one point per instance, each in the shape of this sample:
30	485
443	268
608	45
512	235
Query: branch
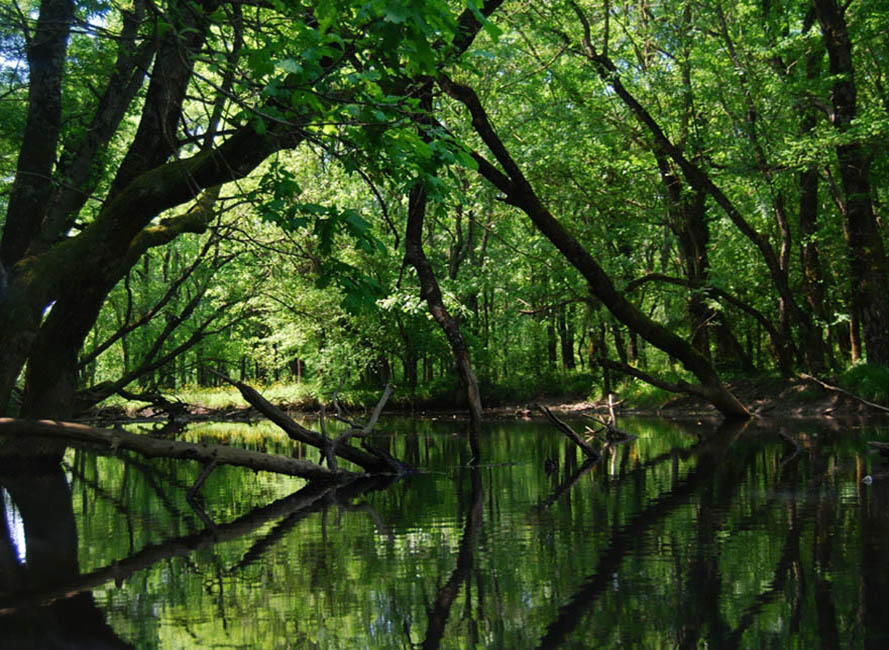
171	292
369	460
627	369
714	291
837	389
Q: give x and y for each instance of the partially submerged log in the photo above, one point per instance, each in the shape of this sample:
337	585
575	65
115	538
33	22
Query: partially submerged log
209	454
371	459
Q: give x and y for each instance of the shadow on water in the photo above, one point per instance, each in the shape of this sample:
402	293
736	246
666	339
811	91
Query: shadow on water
734	537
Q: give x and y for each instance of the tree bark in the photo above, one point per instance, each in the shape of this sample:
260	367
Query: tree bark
51	379
566	337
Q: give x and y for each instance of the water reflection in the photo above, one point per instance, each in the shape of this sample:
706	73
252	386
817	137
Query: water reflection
38	549
687	536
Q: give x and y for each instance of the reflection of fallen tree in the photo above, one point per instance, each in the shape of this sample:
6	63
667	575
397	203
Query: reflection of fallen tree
567	484
312	498
710	455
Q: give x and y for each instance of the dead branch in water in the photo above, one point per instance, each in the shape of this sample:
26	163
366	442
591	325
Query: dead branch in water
371	459
568	431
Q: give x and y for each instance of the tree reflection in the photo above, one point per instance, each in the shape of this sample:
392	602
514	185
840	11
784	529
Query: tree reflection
440	610
49	538
747	537
711	456
45	602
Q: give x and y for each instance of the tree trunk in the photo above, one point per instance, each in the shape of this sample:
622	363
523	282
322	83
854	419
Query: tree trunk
868	265
158	448
688	221
520	194
431	294
602	353
31	189
551	355
566	337
814	349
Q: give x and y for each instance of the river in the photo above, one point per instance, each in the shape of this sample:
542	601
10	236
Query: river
690	535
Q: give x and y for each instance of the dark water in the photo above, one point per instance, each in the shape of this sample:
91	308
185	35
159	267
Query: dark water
690	536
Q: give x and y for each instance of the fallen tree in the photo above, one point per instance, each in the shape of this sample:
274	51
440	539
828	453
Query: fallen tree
48	438
370	458
210	455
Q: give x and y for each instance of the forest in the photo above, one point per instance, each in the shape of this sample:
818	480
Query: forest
475	202
374	222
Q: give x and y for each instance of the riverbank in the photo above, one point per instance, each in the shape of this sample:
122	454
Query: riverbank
765	398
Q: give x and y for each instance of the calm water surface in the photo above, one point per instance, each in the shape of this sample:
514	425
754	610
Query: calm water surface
689	536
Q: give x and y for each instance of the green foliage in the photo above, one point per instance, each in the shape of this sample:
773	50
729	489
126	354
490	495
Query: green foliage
868	381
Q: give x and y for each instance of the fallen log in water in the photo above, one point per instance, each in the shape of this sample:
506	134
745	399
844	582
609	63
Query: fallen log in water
570	433
209	454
